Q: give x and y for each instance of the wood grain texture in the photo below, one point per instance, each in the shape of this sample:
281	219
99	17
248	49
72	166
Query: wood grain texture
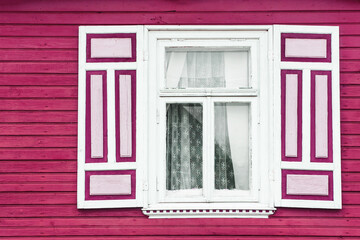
38	116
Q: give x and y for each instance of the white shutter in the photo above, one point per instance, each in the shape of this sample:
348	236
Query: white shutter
307	117
110	66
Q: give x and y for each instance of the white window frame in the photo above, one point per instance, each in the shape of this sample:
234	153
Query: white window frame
260	203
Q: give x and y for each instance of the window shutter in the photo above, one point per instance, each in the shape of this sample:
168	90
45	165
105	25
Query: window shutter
110	67
307	121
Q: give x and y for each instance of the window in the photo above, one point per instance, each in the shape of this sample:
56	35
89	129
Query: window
208	121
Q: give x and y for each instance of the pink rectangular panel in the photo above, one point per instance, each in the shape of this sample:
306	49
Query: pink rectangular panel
307	185
110	185
291	115
125	115
111	48
321	119
291	118
305	48
321	116
96	116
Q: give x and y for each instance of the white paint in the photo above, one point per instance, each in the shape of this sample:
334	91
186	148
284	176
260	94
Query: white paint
321	116
97	127
291	115
307	67
305	48
110	184
317	185
125	116
111	47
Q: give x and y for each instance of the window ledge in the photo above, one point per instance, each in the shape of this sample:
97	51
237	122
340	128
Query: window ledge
209	213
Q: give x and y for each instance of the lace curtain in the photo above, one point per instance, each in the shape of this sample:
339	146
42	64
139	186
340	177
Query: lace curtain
184	133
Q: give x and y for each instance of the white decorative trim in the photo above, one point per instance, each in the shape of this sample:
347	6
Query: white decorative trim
209	213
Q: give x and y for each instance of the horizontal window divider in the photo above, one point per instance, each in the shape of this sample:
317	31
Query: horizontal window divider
208	93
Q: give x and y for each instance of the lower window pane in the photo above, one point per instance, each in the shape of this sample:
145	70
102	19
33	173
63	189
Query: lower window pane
184	146
231	146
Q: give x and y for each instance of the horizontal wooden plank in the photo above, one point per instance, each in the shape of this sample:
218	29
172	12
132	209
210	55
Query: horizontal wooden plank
126	222
350	140
349	65
39	104
350	115
350	90
10	198
346	211
182	231
38	141
349	78
39	42
38	154
350	41
349	53
38	117
350	160
67	211
350	153
195	18
6	178
38	129
38	67
163	5
36	166
38	92
350	103
351	198
350	128
38	54
43	187
43	79
72	30
350	177
351	186
38	31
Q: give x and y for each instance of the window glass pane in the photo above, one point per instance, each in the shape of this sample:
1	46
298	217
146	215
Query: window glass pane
206	69
184	146
232	146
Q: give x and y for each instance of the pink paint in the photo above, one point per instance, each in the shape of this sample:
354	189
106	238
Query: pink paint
110	184
125	115
298	50
106	196
113	50
110	47
96	114
291	112
299	184
321	117
291	119
305	186
88	124
305	48
122	154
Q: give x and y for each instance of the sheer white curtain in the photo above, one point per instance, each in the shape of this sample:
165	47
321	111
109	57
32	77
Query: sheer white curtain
207	69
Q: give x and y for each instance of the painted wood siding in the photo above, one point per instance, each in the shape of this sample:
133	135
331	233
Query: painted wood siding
38	119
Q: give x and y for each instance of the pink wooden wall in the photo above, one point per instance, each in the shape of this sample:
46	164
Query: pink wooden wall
38	114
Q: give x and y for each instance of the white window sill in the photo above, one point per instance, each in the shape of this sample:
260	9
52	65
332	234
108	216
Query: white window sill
208	213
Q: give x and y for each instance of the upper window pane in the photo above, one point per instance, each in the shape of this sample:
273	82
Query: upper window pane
210	68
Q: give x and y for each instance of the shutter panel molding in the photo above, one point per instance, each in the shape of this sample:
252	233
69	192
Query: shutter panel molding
307	122
110	172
